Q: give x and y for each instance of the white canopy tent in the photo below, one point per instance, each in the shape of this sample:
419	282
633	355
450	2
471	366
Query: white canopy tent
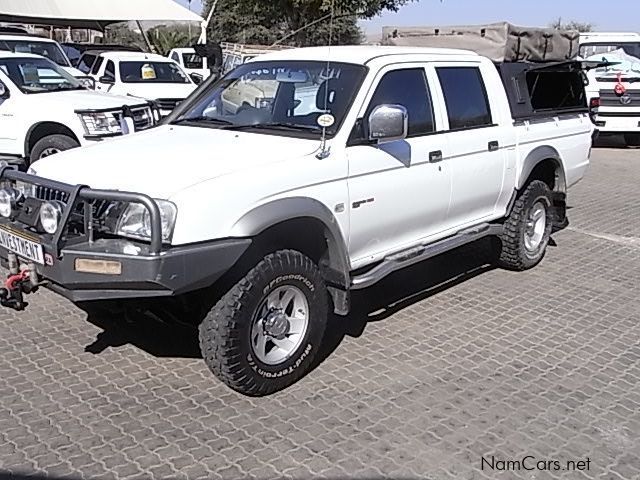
93	14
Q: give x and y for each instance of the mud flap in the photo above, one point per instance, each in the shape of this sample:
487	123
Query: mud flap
560	220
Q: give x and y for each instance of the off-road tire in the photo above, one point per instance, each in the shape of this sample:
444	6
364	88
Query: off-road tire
225	333
57	142
512	253
632	139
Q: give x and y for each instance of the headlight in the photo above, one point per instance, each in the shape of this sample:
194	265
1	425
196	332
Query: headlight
50	213
87	82
103	123
8	200
135	222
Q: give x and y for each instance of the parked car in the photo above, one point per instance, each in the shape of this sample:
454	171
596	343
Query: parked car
23	43
144	75
614	90
75	50
268	217
191	63
44	110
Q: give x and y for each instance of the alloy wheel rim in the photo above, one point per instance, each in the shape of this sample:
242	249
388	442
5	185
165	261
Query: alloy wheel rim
280	325
47	152
536	227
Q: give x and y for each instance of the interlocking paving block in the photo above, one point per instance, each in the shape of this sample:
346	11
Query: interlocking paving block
437	367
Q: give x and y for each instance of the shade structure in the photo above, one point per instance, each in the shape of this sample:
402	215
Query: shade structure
94	14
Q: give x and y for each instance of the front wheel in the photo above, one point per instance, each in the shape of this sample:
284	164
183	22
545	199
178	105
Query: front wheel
52	144
263	335
527	230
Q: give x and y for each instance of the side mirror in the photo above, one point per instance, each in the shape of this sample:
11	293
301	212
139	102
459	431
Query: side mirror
4	93
107	79
197	78
388	123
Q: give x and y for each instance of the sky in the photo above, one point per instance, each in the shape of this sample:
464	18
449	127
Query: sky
614	15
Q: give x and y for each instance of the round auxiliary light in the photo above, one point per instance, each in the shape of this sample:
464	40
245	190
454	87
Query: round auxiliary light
50	213
7	202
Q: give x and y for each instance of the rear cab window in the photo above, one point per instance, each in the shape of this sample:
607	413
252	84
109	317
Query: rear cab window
465	97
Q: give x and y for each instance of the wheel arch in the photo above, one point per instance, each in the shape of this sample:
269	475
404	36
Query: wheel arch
544	163
279	216
42	129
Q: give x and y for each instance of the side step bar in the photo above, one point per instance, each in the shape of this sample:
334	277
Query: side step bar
417	254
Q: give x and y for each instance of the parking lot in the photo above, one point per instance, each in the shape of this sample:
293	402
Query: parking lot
437	368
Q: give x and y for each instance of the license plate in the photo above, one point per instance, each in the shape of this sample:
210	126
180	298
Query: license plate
22	246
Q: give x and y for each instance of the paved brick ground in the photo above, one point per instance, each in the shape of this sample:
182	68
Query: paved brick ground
437	367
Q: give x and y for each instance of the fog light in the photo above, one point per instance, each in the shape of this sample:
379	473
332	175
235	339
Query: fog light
50	213
8	198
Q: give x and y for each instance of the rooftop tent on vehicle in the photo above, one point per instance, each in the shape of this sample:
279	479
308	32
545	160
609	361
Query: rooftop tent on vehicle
501	42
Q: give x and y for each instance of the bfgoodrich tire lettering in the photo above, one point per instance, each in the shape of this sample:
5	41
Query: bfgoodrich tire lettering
527	229
226	334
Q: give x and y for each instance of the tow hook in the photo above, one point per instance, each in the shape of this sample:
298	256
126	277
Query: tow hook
18	284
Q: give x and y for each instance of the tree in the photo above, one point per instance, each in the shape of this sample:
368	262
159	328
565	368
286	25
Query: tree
258	21
572	25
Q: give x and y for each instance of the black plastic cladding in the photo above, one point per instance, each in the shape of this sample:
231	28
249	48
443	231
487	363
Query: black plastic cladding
83	193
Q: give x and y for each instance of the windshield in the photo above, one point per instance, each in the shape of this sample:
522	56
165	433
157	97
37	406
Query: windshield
285	95
151	72
38	75
191	60
589	49
50	50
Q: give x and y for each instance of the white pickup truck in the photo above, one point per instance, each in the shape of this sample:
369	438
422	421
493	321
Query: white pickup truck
44	110
614	91
269	218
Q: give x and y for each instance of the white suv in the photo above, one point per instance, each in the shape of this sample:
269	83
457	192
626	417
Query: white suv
266	218
43	110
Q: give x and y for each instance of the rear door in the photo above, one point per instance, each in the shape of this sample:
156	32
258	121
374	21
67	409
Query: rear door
476	141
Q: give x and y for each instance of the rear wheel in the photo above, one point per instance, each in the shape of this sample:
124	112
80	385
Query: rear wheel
52	144
632	139
262	336
527	230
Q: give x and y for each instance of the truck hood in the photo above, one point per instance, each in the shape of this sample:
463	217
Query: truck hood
159	90
82	100
165	160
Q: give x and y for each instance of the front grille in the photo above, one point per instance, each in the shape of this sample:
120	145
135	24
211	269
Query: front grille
49	194
609	98
168	103
99	207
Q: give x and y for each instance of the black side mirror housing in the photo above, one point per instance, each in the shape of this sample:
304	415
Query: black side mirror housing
106	79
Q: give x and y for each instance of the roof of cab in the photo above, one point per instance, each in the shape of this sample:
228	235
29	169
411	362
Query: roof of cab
9	54
358	54
33	38
134	56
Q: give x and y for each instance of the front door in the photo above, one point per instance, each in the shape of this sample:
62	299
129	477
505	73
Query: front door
8	123
399	191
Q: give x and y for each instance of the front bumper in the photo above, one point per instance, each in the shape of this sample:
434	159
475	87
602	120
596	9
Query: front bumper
86	268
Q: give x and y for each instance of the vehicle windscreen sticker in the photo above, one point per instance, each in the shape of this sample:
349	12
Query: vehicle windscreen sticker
147	72
327	120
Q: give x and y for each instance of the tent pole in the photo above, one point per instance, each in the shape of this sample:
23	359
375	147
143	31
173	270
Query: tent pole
146	38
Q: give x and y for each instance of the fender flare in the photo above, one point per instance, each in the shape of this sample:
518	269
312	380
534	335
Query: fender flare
535	157
272	213
27	137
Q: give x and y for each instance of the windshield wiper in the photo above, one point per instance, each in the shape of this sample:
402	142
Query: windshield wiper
204	119
276	126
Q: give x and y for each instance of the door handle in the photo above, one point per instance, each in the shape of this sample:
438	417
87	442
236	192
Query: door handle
494	146
435	157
